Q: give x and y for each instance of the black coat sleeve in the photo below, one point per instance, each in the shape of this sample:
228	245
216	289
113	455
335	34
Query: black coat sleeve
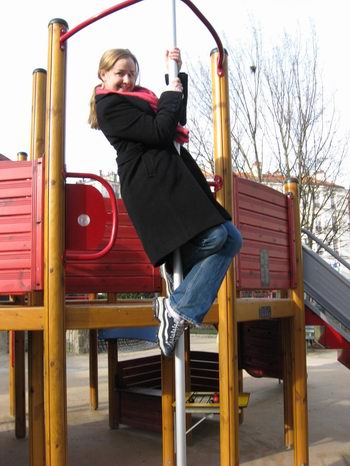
126	118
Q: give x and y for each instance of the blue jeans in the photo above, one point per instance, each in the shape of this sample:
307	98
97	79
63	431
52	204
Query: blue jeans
205	261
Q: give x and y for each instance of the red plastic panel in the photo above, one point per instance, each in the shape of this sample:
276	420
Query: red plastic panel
330	338
126	268
84	203
344	357
21	227
262	214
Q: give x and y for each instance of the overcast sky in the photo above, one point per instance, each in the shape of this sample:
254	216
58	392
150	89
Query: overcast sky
144	28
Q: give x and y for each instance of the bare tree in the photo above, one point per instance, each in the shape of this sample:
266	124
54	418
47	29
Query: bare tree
247	107
281	124
200	121
303	125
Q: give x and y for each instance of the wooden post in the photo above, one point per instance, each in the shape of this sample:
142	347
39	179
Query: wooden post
17	366
12	372
228	359
37	141
187	337
22	156
54	292
240	390
36	399
168	398
301	452
19	386
286	329
93	366
93	363
35	339
113	394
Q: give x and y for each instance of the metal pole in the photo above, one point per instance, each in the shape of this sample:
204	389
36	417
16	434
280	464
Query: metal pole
180	418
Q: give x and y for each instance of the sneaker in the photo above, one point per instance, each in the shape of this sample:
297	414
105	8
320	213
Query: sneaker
168	279
170	329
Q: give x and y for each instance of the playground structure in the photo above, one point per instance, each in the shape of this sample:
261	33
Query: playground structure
41	261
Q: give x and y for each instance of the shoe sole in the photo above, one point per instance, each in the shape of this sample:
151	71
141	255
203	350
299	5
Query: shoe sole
157	310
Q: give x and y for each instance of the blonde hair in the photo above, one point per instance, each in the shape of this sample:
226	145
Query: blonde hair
107	61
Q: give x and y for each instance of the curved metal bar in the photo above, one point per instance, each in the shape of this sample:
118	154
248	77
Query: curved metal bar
326	248
64	37
109	245
199	14
93	19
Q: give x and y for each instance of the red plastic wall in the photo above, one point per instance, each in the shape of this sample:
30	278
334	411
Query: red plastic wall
126	268
263	215
21	227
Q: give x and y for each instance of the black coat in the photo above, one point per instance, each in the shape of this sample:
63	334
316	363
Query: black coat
165	194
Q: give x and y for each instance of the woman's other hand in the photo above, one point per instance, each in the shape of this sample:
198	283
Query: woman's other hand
175	85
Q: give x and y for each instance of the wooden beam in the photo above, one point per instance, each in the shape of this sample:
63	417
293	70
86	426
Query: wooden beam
109	315
21	318
91	316
87	316
261	309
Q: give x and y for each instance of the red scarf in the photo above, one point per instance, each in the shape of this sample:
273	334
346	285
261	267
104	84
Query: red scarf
150	97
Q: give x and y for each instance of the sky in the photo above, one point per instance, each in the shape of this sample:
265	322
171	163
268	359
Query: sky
145	28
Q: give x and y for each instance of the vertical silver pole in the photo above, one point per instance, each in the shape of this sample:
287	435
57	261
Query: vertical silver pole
180	417
173	71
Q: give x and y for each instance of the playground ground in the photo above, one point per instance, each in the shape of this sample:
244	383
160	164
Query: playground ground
91	443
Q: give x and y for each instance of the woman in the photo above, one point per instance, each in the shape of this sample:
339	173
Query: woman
165	192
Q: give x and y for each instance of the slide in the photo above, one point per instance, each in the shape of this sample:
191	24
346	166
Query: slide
327	296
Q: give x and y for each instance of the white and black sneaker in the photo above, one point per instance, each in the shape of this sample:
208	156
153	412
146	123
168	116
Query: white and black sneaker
170	328
168	279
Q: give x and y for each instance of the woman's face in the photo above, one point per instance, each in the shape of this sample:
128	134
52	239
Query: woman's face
121	77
